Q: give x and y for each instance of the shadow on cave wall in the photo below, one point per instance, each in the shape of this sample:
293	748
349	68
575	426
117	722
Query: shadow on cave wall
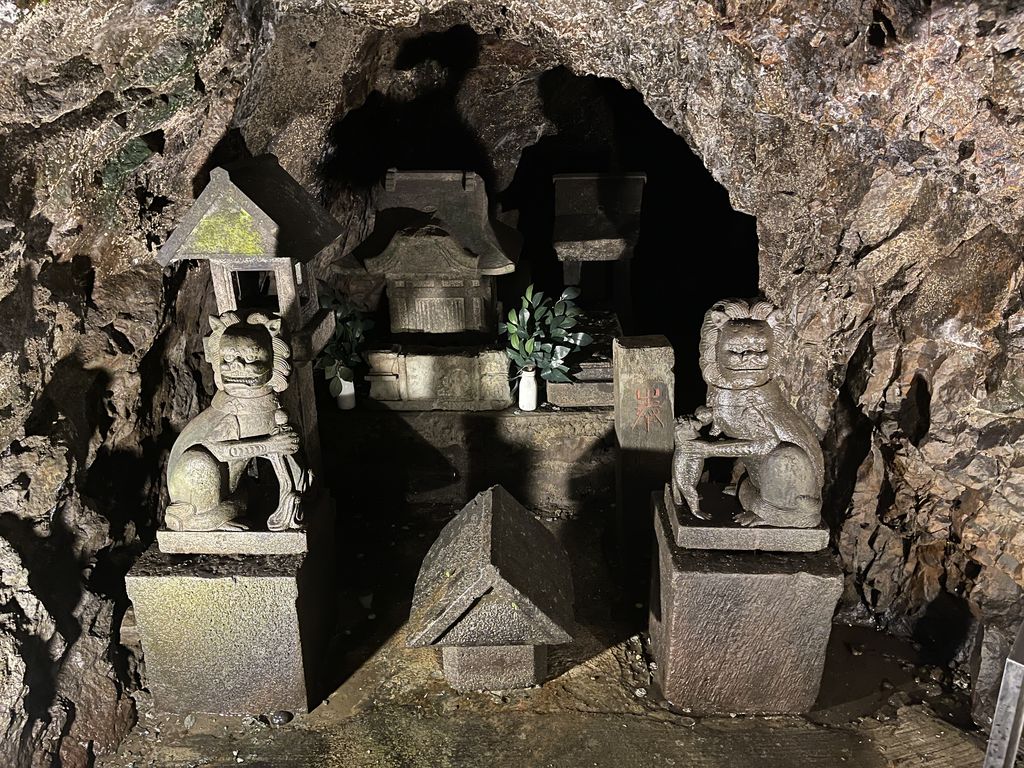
693	248
425	132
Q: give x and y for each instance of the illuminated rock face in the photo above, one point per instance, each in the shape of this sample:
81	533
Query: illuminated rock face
881	154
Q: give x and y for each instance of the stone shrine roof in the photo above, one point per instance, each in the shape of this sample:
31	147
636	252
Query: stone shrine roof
495	576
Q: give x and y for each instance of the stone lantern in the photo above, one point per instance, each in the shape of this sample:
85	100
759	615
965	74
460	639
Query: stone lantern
259	230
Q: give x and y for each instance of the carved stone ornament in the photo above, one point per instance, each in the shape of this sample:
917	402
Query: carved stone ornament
245	421
779	468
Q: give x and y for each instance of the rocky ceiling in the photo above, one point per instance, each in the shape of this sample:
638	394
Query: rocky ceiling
880	146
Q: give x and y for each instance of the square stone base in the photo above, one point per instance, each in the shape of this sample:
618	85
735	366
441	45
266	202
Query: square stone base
227	635
232	542
740	632
494	667
723	532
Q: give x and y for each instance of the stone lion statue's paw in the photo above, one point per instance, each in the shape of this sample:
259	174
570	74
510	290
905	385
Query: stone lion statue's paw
746	518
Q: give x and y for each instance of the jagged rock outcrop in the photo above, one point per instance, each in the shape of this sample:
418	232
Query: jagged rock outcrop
879	144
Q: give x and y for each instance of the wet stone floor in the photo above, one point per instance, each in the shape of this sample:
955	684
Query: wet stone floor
390	708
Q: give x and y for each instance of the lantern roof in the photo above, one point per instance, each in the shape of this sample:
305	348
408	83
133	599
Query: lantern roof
250	213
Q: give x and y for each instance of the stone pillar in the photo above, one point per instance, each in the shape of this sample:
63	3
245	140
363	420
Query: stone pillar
741	631
644	387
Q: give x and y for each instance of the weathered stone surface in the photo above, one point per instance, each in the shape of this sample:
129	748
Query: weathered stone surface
223	635
721	531
232	542
581	394
561	462
880	150
494	667
740	632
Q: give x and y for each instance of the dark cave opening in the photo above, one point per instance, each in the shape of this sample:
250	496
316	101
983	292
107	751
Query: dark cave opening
583	124
693	247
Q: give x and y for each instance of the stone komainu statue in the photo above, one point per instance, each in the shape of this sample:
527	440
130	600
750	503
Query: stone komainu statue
779	462
245	421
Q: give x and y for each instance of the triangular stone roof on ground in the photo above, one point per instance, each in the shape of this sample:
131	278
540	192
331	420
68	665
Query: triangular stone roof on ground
495	576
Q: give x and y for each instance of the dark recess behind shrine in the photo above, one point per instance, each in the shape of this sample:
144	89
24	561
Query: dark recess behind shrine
693	249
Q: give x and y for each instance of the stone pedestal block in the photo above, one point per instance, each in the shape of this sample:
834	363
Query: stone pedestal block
232	542
581	394
435	378
739	632
227	635
494	667
721	531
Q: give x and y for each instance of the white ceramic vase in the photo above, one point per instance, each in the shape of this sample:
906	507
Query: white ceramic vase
528	390
346	399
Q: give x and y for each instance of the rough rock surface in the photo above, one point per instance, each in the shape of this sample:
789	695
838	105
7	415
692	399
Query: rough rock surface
878	144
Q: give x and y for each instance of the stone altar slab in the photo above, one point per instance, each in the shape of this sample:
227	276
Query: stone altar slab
434	378
723	532
227	635
232	542
581	394
739	632
560	461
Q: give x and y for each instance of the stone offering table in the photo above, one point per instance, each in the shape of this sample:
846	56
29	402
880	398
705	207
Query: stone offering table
736	628
559	461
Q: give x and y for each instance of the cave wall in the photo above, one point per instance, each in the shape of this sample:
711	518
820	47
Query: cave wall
878	144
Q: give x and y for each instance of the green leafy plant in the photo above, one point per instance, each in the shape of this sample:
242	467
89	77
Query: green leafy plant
540	334
342	355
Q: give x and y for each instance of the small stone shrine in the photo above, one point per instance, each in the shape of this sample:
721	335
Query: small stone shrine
743	591
434	285
457	199
597	218
437	251
494	591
